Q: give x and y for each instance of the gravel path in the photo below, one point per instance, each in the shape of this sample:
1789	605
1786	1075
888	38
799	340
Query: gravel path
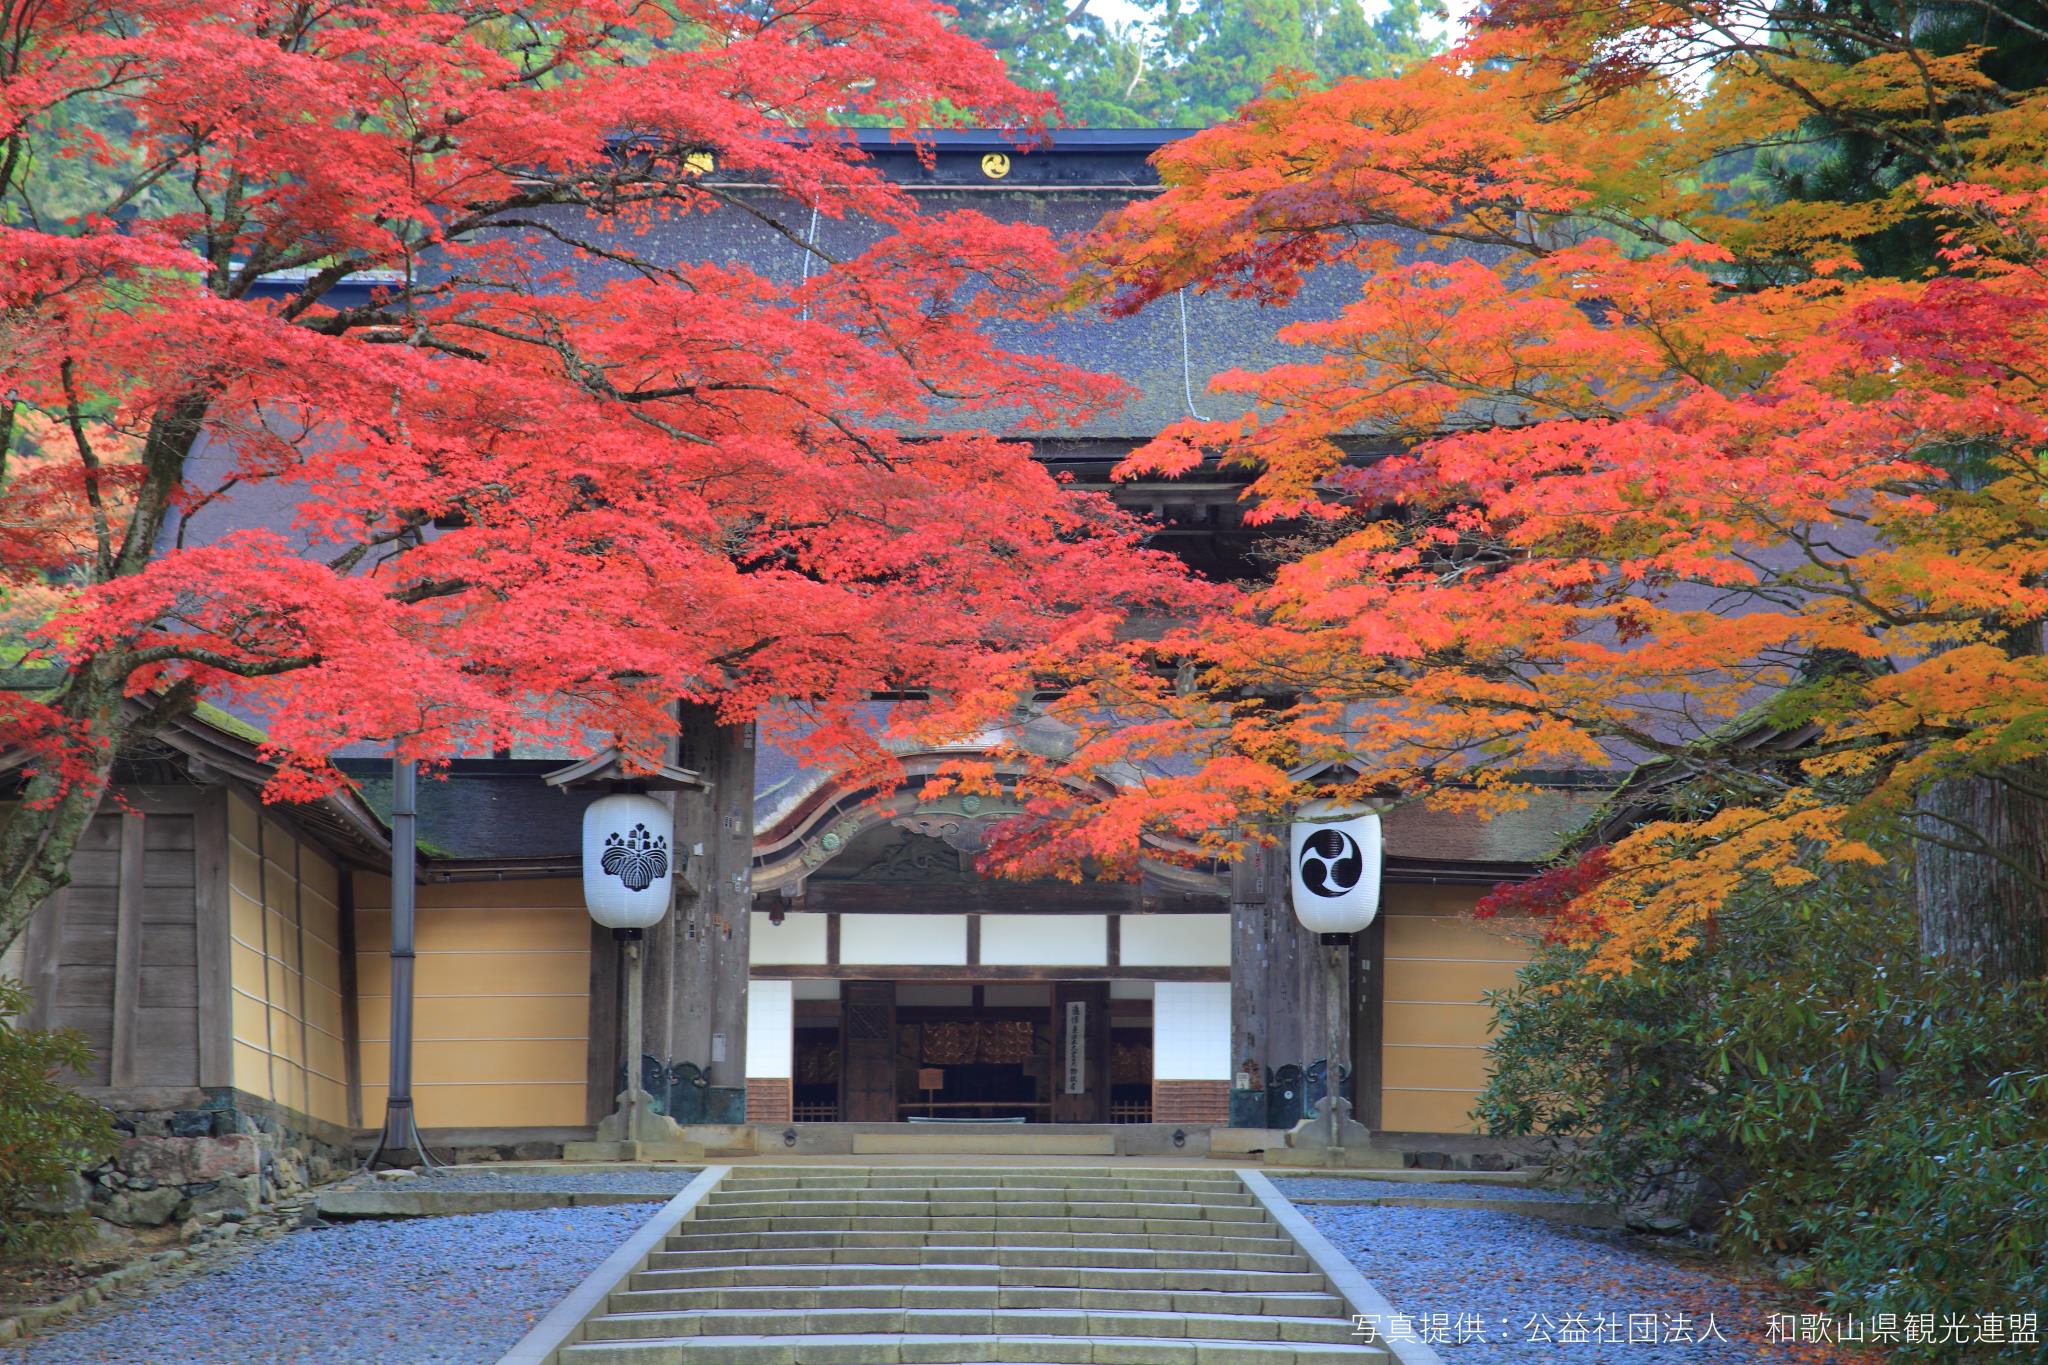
1342	1187
425	1291
664	1182
1539	1290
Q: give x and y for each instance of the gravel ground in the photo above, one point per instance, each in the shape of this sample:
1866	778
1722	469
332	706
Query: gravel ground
425	1291
1527	1279
667	1182
1340	1187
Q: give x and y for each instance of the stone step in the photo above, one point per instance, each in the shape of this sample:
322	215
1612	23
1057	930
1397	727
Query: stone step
993	1252
1007	1194
988	1297
1056	1277
953	1322
985	1144
714	1210
1260	1237
758	1223
884	1179
948	1350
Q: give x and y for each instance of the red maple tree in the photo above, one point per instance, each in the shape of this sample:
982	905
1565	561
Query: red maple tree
543	478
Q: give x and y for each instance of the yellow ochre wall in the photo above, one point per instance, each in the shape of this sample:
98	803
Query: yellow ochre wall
284	921
1439	963
501	1002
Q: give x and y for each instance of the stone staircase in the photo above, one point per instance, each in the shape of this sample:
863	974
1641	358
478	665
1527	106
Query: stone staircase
792	1265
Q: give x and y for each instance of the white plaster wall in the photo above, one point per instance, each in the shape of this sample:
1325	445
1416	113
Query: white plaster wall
911	940
814	990
771	1022
1045	940
1130	990
1191	1031
799	941
1174	940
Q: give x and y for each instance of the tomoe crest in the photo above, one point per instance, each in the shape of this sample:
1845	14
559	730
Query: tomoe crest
637	858
1330	863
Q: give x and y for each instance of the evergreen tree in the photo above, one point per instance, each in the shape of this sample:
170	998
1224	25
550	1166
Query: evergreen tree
1186	63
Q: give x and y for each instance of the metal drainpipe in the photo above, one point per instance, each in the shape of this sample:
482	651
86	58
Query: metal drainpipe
401	1132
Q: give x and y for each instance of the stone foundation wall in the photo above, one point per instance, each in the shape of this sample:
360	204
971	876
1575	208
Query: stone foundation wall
232	1156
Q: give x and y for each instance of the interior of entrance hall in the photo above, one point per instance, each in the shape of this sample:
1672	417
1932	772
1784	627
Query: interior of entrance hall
1018	1051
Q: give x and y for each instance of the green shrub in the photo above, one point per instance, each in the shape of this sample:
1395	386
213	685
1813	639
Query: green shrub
1804	1085
47	1131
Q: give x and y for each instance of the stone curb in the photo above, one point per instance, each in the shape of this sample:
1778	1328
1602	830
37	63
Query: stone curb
1557	1210
1411	1175
565	1323
92	1295
1344	1278
420	1203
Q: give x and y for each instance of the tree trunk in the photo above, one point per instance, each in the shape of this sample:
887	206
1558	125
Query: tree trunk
1979	909
40	834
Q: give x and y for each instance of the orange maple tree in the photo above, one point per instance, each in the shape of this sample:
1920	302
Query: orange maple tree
403	272
1614	459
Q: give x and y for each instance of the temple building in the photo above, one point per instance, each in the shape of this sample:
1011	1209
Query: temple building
834	965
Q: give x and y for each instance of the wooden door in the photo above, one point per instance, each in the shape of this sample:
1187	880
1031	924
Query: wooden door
870	1060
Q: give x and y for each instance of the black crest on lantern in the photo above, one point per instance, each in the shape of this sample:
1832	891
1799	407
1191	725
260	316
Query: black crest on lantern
636	858
1331	862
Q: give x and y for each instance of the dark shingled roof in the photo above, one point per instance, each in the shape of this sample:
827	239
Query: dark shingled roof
486	811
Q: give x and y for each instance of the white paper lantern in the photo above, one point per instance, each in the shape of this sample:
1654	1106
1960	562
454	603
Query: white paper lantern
628	861
1336	861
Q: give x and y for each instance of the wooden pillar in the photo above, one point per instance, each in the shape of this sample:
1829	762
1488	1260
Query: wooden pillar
127	991
1265	992
1368	1032
601	1055
214	969
706	987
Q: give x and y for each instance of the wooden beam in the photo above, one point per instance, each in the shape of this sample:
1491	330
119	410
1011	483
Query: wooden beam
978	898
215	950
831	939
966	972
973	940
122	1069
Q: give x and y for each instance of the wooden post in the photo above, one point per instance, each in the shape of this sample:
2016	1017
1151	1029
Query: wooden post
732	796
1248	950
601	1055
1336	962
127	990
1369	972
708	995
215	967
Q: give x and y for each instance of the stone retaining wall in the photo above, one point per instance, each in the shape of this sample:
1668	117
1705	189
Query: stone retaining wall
230	1157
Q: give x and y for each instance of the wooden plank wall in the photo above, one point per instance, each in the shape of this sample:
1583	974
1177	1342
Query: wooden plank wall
114	955
501	1004
1439	962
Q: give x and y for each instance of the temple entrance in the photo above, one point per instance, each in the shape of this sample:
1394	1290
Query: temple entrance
996	1051
962	1055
